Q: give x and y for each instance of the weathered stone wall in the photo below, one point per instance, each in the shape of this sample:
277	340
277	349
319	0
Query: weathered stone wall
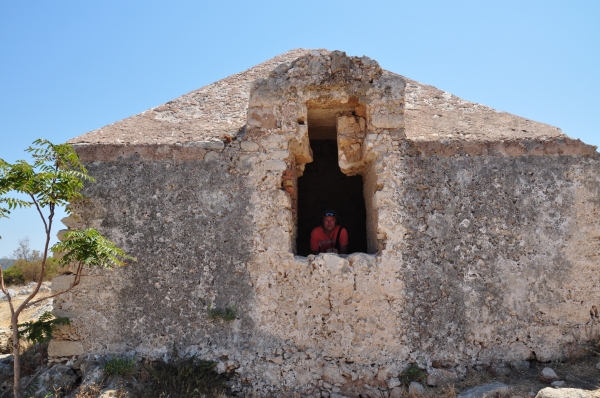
500	255
485	259
483	250
188	223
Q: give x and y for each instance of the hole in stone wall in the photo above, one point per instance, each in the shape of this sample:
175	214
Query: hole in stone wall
324	186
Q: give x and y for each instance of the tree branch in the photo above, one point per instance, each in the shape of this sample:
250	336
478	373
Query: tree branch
73	284
37	206
48	225
5	291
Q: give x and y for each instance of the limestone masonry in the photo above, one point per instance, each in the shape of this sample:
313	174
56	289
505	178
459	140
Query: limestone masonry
482	230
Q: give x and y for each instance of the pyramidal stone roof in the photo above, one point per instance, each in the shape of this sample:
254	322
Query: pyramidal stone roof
219	109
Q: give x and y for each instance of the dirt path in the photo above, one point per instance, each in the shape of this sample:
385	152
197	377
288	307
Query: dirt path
26	315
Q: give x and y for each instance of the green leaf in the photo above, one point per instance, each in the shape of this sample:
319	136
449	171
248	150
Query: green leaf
90	248
40	331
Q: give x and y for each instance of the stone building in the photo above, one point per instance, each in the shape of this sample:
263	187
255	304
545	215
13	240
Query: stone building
474	233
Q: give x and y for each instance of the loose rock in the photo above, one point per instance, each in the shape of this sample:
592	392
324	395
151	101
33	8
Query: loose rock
548	376
563	393
490	390
393	382
416	388
558	383
57	377
520	366
437	377
397	392
500	369
11	292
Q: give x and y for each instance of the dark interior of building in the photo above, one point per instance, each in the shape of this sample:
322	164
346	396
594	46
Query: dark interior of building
324	186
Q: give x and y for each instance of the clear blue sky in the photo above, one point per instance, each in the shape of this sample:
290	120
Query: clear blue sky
68	67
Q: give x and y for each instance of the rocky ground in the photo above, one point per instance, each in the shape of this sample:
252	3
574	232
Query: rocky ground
19	293
86	378
575	379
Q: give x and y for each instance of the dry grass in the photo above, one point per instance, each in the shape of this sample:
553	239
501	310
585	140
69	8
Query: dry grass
89	391
93	391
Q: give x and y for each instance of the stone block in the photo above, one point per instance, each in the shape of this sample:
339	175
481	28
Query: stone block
299	145
262	117
249	146
73	221
62	282
60	235
387	120
212	145
275	165
210	156
334	263
65	348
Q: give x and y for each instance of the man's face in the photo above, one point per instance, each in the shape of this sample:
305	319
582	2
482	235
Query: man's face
329	223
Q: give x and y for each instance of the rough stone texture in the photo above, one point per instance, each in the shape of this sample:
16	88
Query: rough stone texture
483	249
219	109
209	112
433	115
496	252
57	378
490	390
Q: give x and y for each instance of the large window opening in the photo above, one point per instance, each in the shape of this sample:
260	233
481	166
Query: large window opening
324	186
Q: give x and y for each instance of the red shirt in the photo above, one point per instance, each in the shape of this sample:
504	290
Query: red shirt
320	242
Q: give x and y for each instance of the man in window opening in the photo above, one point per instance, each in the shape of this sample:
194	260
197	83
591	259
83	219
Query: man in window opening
329	237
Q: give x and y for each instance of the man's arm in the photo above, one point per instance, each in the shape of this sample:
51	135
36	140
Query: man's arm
343	241
314	243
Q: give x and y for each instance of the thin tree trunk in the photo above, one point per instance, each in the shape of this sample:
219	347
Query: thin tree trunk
16	345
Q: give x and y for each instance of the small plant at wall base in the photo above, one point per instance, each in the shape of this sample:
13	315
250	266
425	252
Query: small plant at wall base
181	376
412	373
226	314
119	367
55	178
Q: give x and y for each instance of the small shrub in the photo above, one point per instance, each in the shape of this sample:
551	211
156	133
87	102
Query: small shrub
227	313
13	276
31	269
187	377
119	366
412	373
